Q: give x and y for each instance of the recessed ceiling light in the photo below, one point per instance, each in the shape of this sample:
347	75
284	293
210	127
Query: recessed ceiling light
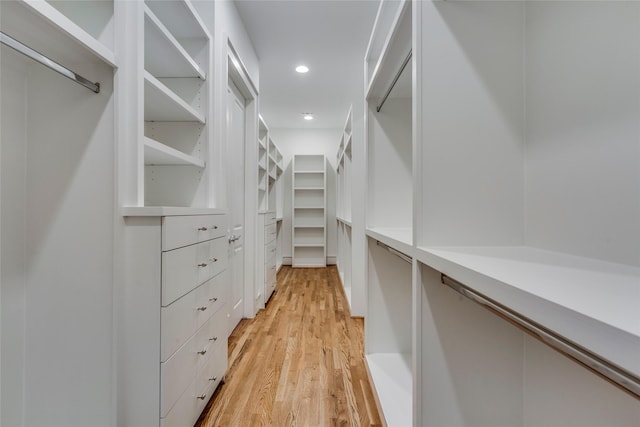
307	116
302	69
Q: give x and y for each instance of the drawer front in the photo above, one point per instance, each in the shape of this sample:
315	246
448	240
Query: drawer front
181	369
185	268
179	231
269	233
183	317
186	410
209	378
270	251
270	218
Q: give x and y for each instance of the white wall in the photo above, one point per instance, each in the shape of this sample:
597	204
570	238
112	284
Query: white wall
309	141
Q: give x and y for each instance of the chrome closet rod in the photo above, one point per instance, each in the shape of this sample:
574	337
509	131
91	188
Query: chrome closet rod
38	57
619	376
402	256
395	80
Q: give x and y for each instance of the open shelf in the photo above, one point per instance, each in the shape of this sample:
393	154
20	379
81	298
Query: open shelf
180	18
391	375
398	238
591	302
44	28
162	104
163	54
156	153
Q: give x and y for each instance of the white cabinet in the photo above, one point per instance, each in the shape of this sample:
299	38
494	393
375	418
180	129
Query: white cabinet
175	314
267	268
516	186
309	210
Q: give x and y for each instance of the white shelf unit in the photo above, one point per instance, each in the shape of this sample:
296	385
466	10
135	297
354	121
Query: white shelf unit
541	212
263	165
176	104
57	205
270	199
343	206
515	173
309	211
389	215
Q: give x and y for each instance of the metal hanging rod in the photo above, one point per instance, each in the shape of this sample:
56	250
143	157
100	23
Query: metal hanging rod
38	57
617	375
402	256
395	80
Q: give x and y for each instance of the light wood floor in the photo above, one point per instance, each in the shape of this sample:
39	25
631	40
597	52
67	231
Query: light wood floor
298	363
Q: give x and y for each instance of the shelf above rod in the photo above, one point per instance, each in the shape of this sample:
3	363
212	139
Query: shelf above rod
617	375
38	57
402	256
395	80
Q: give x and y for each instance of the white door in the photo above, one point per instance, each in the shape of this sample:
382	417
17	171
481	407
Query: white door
235	199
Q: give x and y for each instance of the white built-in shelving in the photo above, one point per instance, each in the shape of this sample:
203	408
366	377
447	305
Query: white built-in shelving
344	183
57	207
270	200
309	210
175	109
510	187
389	216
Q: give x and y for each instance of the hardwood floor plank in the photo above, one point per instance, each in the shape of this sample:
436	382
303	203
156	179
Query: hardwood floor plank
299	362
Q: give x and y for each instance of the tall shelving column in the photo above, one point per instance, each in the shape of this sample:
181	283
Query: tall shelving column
309	210
389	329
343	206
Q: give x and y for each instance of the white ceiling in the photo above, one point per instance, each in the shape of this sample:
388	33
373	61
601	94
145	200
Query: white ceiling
329	36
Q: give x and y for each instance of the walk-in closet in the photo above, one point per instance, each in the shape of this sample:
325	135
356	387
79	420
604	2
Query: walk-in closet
403	213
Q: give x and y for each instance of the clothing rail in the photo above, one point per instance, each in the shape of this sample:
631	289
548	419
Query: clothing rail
395	80
402	256
38	57
619	376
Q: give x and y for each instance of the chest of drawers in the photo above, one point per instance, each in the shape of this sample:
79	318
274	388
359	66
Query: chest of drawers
173	334
266	256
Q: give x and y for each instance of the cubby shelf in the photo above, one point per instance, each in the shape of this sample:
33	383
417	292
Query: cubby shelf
156	153
164	56
42	11
391	372
162	104
180	18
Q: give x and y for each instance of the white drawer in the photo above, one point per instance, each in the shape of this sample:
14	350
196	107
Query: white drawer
270	218
179	231
270	250
185	268
186	410
184	316
269	233
190	405
181	368
211	375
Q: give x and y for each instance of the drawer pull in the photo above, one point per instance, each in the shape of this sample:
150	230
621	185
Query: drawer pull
213	339
214	299
202	352
203	308
201	397
202	229
213	379
202	264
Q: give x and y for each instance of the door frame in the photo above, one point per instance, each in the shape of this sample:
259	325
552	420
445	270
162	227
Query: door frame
236	72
